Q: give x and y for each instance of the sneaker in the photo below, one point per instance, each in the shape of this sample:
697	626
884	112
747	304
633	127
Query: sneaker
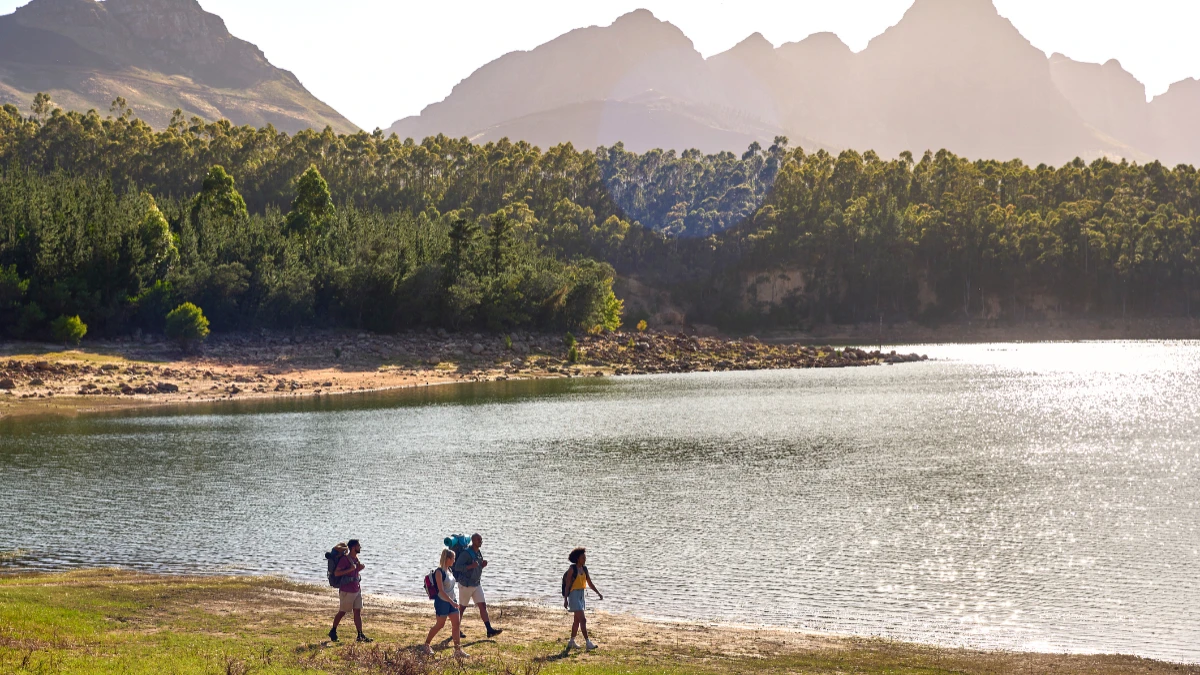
571	645
364	638
462	635
591	645
493	632
427	650
333	635
460	654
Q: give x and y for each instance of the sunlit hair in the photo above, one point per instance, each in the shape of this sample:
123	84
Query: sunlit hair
447	556
575	555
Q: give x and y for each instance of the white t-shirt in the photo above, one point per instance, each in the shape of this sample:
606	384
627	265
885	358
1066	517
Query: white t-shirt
448	583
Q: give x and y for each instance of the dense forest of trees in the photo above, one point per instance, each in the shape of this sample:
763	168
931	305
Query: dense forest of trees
104	217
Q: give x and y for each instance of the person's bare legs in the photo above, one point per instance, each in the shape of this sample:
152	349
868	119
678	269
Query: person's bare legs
337	618
358	622
437	626
455	621
579	623
483	613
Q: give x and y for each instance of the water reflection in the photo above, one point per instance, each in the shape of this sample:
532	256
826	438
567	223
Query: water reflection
1011	496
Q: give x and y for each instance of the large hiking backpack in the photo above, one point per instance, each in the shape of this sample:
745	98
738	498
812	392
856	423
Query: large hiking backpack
457	543
332	558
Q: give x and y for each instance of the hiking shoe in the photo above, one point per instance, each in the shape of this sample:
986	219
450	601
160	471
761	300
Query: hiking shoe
493	632
462	635
364	638
427	650
460	654
591	645
571	645
333	636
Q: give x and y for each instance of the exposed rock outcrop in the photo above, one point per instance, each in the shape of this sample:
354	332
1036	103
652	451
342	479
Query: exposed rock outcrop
157	54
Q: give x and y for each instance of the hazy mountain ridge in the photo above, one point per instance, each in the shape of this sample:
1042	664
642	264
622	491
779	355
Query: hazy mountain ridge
159	55
951	74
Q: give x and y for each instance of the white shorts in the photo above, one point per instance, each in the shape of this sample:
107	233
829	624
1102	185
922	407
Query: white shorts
348	602
468	593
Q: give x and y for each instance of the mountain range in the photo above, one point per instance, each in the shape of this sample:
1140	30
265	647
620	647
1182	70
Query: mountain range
159	55
951	74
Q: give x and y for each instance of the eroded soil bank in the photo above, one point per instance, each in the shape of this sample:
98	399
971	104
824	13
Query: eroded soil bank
38	378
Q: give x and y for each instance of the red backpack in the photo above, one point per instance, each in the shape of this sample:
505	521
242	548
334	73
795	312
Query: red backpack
431	588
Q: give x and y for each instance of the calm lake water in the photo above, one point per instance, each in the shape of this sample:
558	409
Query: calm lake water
1040	496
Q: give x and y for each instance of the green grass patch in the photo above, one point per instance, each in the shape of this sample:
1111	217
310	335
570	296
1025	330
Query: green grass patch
108	621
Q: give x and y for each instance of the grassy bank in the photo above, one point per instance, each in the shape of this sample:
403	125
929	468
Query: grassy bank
121	622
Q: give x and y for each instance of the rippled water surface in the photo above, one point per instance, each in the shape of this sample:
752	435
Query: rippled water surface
1010	496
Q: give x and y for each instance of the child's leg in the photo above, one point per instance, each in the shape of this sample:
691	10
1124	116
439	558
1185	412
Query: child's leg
441	621
583	626
575	624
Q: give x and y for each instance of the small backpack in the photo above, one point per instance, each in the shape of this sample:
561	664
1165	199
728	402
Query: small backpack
332	558
566	589
431	588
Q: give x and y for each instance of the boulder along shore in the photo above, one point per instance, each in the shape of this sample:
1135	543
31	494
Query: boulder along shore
40	378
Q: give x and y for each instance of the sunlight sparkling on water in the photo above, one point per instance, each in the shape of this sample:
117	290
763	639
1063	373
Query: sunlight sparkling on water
1034	497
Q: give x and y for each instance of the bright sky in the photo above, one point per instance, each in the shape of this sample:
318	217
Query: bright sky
379	60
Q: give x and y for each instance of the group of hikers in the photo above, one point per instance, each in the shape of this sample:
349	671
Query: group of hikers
460	566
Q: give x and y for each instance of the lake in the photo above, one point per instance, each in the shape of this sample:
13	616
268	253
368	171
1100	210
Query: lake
1019	496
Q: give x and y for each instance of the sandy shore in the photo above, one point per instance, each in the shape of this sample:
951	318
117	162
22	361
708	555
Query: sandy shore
46	379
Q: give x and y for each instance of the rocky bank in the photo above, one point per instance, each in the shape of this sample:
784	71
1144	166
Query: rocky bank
147	370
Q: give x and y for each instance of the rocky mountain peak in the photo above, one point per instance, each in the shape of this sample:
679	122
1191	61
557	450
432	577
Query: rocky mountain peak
755	42
637	16
179	26
754	48
816	48
87	53
647	31
957	9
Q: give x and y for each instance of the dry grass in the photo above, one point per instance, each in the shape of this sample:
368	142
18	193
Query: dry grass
108	621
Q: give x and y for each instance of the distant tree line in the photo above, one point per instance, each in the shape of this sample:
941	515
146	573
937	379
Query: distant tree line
106	218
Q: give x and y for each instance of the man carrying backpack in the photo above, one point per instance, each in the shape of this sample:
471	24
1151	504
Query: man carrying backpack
468	570
349	589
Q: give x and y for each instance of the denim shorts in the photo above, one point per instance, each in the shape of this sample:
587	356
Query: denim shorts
576	601
443	608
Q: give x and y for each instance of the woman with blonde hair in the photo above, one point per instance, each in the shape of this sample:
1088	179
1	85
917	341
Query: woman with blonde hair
444	605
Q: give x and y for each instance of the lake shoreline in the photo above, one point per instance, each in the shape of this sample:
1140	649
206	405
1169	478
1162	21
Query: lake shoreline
984	331
41	379
107	619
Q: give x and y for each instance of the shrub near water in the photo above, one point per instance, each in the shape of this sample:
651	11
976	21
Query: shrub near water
186	325
69	329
